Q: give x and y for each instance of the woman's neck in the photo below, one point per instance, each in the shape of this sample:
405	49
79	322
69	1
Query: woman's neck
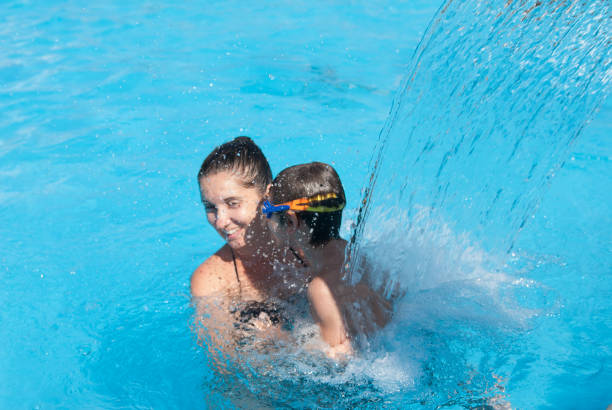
253	255
261	247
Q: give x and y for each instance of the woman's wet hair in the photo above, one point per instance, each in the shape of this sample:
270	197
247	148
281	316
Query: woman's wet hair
309	180
242	157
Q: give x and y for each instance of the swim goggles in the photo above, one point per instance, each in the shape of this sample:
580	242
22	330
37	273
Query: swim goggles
309	204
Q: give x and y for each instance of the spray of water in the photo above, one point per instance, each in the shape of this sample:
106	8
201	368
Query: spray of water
495	95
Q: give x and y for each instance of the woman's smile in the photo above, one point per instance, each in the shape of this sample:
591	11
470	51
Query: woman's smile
232	235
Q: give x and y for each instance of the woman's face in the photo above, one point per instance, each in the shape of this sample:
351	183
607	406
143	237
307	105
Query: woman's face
231	208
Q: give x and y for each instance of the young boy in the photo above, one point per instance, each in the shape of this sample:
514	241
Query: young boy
306	217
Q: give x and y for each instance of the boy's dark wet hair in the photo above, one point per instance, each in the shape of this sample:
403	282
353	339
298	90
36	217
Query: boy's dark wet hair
242	157
309	180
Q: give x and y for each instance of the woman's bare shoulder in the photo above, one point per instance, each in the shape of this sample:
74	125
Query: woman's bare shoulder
214	275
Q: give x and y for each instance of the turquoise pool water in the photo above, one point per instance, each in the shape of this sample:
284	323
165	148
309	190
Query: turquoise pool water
106	114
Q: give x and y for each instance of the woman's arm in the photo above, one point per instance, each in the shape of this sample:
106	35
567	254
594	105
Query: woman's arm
213	323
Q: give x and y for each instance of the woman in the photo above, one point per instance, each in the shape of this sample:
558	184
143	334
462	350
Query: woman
243	274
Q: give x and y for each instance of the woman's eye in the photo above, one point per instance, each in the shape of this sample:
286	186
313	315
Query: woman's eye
209	207
233	204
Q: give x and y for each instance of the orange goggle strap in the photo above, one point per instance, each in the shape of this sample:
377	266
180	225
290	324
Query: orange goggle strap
303	204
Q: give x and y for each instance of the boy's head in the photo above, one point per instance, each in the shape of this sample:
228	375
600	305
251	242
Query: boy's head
321	195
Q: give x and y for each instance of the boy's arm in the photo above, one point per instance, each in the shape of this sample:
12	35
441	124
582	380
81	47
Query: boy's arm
326	313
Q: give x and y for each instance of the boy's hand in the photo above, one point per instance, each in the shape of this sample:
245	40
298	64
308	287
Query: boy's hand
340	351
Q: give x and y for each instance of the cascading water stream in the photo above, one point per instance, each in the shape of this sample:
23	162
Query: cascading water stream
494	97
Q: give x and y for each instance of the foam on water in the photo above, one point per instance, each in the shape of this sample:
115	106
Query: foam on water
454	310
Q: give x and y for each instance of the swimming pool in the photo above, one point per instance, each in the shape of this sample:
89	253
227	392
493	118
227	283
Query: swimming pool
107	113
